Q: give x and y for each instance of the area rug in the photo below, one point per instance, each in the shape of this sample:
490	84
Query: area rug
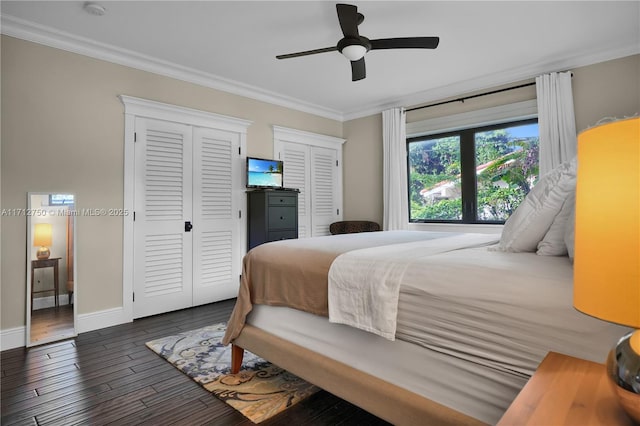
259	391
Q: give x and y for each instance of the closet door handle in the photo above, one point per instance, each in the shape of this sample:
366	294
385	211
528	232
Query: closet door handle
188	226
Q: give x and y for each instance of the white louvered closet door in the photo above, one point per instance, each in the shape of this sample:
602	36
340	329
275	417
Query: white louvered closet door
217	266
315	172
296	159
163	191
324	181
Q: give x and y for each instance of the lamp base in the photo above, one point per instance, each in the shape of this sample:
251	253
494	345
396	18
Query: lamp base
43	253
623	370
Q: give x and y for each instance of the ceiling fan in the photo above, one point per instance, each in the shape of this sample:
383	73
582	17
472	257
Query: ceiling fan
354	46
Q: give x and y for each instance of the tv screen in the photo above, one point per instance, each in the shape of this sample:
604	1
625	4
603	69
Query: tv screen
263	173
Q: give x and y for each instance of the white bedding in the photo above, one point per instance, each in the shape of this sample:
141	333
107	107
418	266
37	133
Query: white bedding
500	310
472	389
472	326
364	285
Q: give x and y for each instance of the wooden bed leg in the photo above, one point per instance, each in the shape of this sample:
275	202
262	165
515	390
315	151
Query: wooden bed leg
236	358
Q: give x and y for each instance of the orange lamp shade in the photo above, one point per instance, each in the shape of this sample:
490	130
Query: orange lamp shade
42	235
607	229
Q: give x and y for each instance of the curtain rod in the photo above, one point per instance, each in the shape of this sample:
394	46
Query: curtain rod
464	98
473	96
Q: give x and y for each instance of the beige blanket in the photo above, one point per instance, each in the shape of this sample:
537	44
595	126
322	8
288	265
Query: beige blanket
294	273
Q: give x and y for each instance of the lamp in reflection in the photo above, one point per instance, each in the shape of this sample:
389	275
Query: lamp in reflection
42	238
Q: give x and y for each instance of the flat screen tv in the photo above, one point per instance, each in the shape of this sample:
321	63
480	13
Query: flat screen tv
263	173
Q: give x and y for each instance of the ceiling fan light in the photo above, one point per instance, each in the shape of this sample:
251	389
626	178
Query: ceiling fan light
354	52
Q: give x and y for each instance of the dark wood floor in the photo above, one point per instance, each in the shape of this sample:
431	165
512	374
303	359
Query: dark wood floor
109	376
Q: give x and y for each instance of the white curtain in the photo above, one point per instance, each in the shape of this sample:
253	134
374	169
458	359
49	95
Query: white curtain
556	120
394	190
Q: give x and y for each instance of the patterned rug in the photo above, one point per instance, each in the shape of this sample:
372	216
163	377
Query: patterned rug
259	391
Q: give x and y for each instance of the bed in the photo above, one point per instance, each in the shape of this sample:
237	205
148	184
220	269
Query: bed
423	327
472	322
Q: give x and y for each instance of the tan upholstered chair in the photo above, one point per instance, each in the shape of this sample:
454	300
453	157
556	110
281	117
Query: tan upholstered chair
351	226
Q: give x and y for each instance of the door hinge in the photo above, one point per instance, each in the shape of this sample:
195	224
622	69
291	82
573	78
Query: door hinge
239	214
239	150
134	216
135	137
336	163
338	212
134	296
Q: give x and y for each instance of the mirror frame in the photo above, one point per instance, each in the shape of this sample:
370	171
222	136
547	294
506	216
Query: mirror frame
29	213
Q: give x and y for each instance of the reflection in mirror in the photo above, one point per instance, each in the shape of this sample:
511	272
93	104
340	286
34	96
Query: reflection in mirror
51	286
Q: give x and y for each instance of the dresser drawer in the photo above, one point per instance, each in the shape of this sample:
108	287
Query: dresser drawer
282	218
272	216
282	200
282	235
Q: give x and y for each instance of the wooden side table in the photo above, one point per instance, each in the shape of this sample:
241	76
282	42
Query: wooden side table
46	263
566	391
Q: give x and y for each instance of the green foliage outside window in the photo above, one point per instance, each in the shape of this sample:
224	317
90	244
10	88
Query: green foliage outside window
518	170
506	166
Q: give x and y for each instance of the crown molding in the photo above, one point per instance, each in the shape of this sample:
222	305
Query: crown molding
40	34
29	31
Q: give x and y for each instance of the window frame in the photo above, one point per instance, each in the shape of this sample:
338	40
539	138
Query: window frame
468	185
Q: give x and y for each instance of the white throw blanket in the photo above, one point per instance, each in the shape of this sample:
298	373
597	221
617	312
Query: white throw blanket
364	285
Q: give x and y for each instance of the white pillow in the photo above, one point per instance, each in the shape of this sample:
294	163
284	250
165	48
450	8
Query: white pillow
526	227
553	243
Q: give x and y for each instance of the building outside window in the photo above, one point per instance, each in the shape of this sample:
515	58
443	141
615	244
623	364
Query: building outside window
474	175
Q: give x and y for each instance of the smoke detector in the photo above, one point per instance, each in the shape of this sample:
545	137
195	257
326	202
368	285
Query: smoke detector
94	8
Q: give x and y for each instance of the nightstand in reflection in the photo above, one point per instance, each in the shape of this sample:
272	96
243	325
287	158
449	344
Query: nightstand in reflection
46	263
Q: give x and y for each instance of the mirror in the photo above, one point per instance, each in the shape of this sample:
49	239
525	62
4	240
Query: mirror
51	269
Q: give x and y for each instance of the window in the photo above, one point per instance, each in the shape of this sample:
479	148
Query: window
60	199
475	175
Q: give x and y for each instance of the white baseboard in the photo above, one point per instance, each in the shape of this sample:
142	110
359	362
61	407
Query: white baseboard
16	337
13	338
102	319
49	301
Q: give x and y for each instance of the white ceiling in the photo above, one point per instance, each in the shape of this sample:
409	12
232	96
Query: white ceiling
231	45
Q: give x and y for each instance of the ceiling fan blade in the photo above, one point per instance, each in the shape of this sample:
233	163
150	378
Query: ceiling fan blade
349	19
358	71
307	52
405	43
